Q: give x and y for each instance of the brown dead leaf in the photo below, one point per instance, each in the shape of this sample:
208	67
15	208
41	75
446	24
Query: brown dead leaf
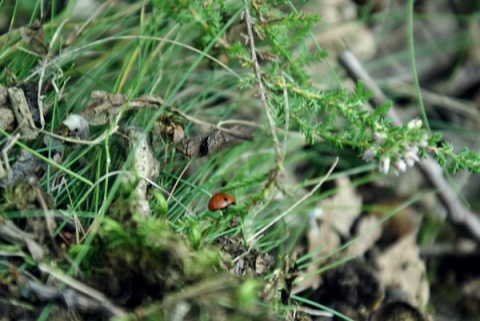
400	267
210	143
321	239
6	114
33	37
369	231
321	235
3	96
341	210
26	166
6	119
242	261
334	218
23	114
104	106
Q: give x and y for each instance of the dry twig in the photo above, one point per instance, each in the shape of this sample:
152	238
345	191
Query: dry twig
238	134
261	88
77	295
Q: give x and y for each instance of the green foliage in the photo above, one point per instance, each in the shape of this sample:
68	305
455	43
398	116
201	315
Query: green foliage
338	117
246	293
159	204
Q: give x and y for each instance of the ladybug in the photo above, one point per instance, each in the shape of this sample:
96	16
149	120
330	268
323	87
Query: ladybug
220	201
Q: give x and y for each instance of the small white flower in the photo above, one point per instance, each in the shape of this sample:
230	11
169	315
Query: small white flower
423	142
410	158
380	138
399	167
415	124
412	148
384	165
369	154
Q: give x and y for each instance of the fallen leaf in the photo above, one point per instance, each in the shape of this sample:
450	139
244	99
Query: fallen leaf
400	267
341	210
33	37
369	231
22	112
321	240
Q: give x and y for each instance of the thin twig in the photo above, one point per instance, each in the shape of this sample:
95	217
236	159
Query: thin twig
283	131
287	114
431	170
49	221
43	65
261	88
106	134
178	180
234	133
84	289
460	248
315	312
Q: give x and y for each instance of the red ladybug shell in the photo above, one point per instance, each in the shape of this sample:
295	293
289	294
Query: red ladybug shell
220	201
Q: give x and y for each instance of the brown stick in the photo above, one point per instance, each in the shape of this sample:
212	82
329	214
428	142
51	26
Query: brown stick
261	87
68	297
458	213
240	135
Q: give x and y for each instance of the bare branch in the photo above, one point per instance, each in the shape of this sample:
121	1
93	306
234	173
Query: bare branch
261	88
237	134
79	296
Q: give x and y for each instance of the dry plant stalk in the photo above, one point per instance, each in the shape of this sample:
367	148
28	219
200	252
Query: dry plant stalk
261	87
